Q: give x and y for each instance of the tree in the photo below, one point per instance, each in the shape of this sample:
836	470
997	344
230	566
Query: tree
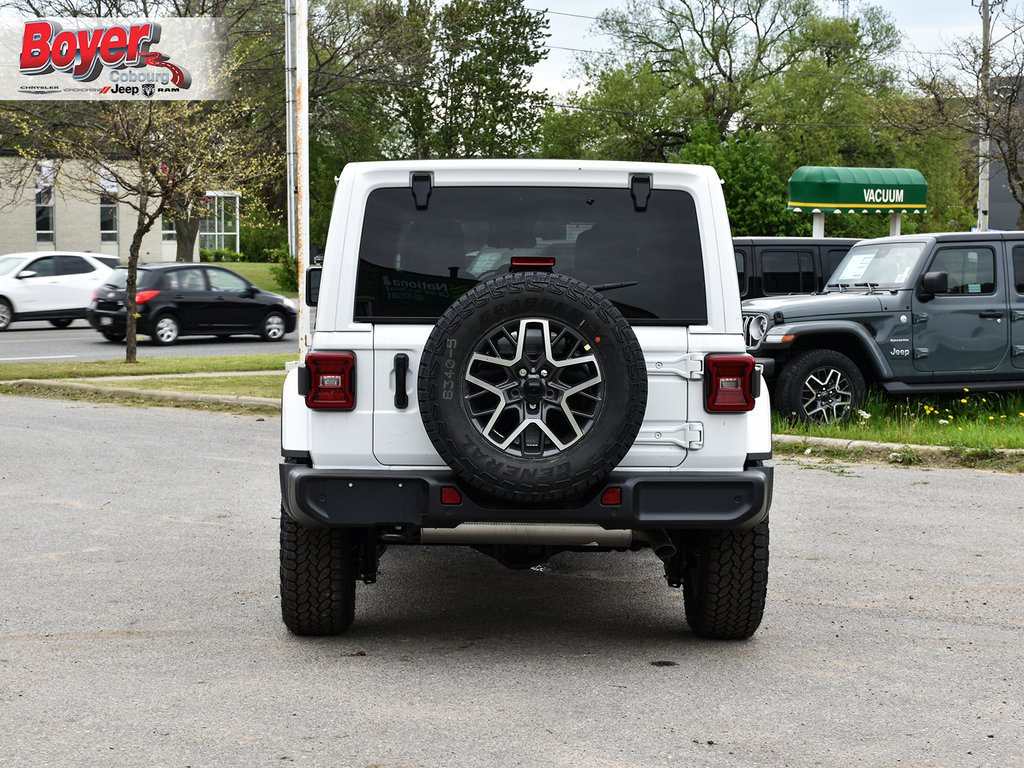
710	55
160	154
467	93
981	95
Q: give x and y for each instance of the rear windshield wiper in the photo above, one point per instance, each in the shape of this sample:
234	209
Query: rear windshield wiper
612	286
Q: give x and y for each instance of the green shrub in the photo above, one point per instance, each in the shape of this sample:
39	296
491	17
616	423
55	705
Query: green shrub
286	271
220	254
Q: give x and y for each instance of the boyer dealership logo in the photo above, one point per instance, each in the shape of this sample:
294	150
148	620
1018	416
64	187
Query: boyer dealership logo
121	54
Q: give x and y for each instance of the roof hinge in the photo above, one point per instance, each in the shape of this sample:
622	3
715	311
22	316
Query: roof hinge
422	185
640	189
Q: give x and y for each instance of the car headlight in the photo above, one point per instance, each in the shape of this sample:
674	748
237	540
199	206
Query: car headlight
754	329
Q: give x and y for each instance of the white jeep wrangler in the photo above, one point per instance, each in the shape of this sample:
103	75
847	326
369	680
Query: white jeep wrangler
527	357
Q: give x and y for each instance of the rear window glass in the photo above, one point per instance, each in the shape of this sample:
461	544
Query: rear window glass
119	279
414	263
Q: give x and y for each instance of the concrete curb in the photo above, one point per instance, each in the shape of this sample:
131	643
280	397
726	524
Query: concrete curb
863	445
144	394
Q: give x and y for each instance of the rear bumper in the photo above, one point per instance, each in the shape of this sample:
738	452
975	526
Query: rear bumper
339	498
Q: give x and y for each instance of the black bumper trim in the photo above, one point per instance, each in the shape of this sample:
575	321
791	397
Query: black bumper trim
341	498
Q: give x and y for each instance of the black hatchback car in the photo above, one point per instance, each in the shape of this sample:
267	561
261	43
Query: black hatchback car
187	299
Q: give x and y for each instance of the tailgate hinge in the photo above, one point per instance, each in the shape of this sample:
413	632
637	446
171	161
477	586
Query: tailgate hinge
689	435
685	367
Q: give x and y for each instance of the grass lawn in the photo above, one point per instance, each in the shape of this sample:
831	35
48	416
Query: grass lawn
146	366
967	420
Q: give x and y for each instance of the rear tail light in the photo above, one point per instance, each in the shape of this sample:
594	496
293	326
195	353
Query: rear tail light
731	383
331	381
143	296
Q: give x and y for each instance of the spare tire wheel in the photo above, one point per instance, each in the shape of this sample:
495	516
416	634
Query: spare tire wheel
532	387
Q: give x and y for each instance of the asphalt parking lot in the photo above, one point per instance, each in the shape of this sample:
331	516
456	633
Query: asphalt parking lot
141	624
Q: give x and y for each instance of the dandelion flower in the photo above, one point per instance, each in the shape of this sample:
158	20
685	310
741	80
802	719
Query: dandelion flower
991	418
963	400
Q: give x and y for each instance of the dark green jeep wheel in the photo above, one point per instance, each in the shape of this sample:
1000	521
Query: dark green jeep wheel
820	386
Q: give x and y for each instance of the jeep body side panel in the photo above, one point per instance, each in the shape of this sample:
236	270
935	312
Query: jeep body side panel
1016	290
964	332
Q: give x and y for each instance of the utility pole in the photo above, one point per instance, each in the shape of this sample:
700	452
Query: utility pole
984	162
297	130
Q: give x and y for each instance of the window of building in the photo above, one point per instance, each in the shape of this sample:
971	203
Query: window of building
220	227
108	208
44	173
170	233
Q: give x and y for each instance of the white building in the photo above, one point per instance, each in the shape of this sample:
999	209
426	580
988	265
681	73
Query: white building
40	212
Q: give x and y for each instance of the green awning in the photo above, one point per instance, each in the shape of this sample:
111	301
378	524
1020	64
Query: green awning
820	189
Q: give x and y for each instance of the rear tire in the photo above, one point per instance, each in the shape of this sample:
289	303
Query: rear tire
62	322
273	327
165	330
115	337
725	581
318	586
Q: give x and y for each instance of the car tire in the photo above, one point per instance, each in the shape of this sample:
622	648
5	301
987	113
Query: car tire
166	330
725	581
62	322
115	337
532	387
820	386
318	586
274	327
6	314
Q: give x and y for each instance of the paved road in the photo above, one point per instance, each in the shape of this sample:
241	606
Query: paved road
36	341
140	625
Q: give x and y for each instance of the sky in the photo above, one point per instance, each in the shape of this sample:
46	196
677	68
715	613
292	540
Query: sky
925	24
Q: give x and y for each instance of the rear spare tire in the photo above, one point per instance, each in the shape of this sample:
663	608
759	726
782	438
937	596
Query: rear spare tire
532	387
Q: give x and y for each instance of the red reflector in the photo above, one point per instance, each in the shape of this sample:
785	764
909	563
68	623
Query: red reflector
533	261
331	380
143	296
727	383
612	497
450	495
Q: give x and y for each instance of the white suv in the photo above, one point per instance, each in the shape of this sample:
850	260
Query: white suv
527	357
49	285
